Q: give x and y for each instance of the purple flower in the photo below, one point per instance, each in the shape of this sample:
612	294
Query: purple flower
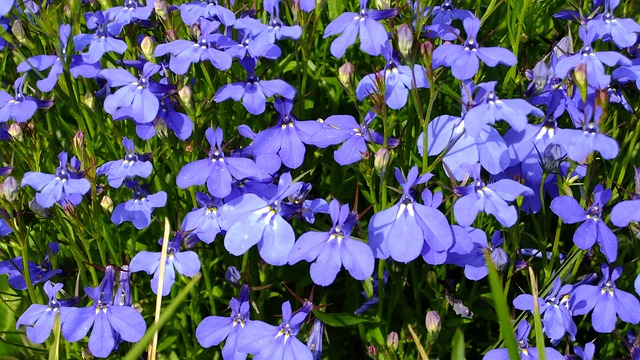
286	139
208	9
38	273
6	6
205	222
373	35
137	98
250	220
579	143
212	330
245	48
627	211
64	186
187	52
124	15
606	300
446	13
587	353
525	352
490	198
268	35
299	205
185	263
557	318
138	210
254	91
370	301
217	171
609	28
109	322
463	59
331	250
40	319
474	262
398	80
593	227
100	42
133	165
402	230
43	62
315	339
19	108
268	342
179	123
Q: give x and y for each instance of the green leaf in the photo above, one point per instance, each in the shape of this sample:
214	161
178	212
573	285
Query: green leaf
336	7
457	346
340	320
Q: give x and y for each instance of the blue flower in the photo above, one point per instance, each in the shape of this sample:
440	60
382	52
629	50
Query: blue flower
627	211
525	352
43	62
623	32
64	186
606	300
204	223
463	59
109	322
133	165
138	210
212	330
593	227
474	262
268	342
101	42
315	339
208	9
40	319
329	251
123	15
185	263
373	35
19	107
217	171
37	273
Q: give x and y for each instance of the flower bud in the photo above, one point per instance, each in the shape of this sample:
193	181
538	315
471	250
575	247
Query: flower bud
432	322
233	275
392	341
372	351
185	95
195	31
499	258
89	100
86	354
148	46
78	142
580	78
10	188
17	29
107	204
15	130
553	156
426	50
381	161
345	73
161	9
315	339
405	40
383	4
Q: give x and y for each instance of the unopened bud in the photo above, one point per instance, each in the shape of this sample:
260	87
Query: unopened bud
315	339
17	29
89	100
392	341
148	46
499	258
161	9
432	322
10	188
107	204
405	40
372	351
637	184
195	31
602	101
15	130
78	142
345	73
185	95
580	78
553	156
426	49
86	354
233	275
383	4
381	161
160	127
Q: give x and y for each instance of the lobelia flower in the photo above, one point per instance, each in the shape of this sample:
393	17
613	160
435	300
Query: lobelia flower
124	15
587	353
557	318
209	9
217	171
609	28
446	13
21	107
38	273
398	80
6	6
474	262
579	143
254	91
109	322
187	52
212	330
250	220
245	47
401	230
606	300
370	301
593	227
305	5
463	59
315	339
490	198
40	319
43	62
268	342
524	350
344	129
593	60
286	139
179	123
137	98
204	223
264	36
329	251
185	263
373	35
299	205
66	186
101	42
627	211
133	165
138	210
